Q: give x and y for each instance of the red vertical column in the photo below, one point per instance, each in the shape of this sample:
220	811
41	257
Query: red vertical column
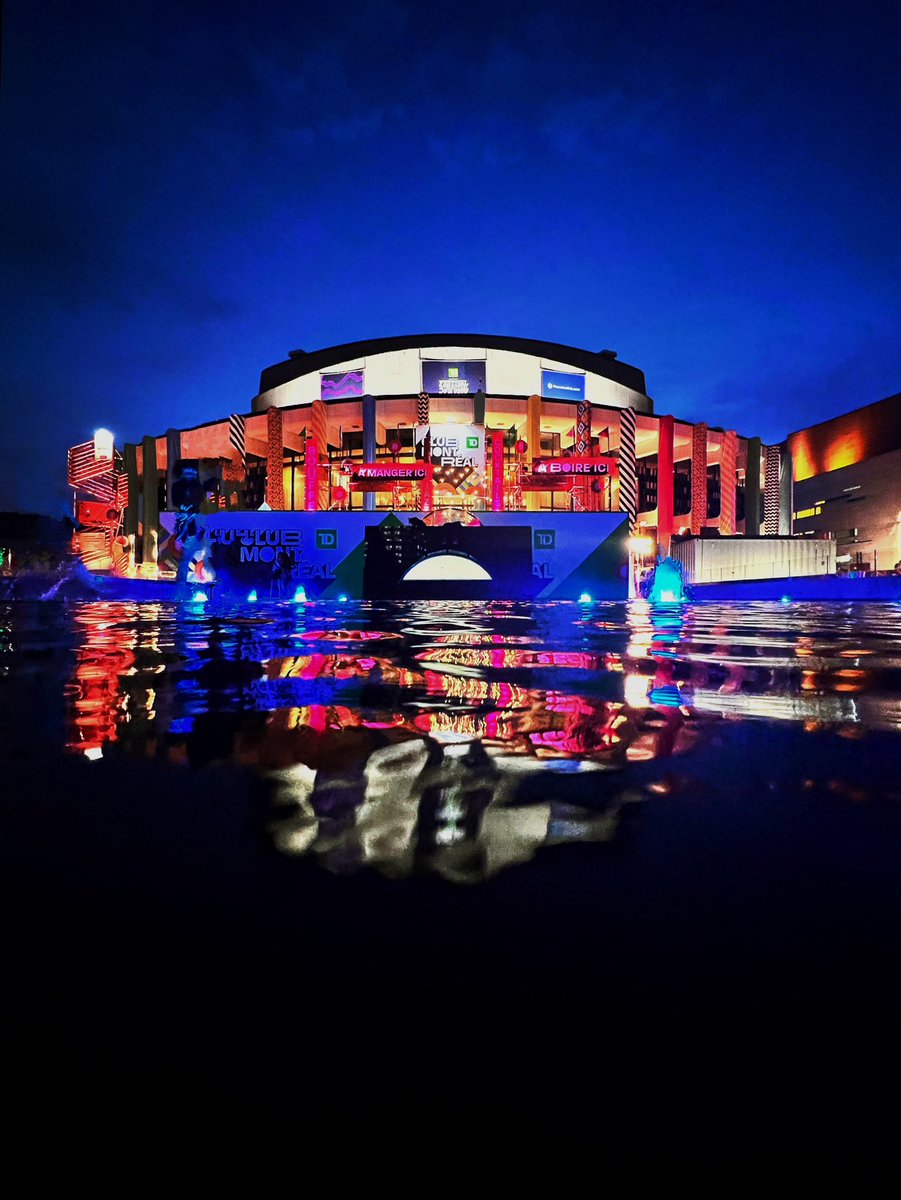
311	476
426	500
728	458
497	471
698	478
666	431
275	479
319	422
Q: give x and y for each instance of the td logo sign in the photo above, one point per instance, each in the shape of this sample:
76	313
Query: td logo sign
545	539
472	443
326	539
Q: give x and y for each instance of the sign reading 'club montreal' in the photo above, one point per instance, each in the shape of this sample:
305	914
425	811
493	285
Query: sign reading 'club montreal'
561	385
574	466
440	378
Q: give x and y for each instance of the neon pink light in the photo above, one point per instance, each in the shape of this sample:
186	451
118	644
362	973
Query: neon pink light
311	482
497	472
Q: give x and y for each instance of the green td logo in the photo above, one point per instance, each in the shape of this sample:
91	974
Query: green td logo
326	539
472	443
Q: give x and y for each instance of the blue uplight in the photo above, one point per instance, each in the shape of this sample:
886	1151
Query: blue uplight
342	598
252	596
199	598
300	596
584	598
785	600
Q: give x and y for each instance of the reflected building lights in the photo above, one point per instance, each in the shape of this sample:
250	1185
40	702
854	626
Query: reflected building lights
326	701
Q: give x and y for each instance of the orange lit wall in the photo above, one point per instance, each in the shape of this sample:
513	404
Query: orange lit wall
846	440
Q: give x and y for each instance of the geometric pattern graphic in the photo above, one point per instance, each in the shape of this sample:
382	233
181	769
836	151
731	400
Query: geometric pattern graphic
275	480
628	476
698	477
583	427
422	409
786	493
728	460
771	490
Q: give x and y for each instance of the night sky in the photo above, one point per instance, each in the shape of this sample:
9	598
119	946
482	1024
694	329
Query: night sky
192	190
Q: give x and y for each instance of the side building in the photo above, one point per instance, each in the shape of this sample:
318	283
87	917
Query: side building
847	484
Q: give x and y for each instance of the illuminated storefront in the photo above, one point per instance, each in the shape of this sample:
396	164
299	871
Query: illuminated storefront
445	429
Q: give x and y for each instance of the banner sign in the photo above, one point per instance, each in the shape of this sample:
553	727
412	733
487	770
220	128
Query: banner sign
341	386
560	385
389	472
457	453
574	466
452	378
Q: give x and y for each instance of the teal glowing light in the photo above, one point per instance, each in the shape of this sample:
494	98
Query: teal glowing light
300	596
584	598
199	598
785	600
667	586
252	596
342	598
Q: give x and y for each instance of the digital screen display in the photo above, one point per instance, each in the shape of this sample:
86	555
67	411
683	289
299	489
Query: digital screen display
561	385
440	378
341	385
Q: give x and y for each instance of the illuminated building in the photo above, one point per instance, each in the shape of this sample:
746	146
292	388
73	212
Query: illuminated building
847	484
543	458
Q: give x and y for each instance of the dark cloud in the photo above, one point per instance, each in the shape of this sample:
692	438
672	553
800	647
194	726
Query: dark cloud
195	190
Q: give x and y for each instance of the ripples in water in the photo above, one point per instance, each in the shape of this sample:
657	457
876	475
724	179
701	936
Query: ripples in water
461	737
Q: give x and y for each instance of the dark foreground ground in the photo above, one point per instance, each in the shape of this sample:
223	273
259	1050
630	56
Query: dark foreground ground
159	955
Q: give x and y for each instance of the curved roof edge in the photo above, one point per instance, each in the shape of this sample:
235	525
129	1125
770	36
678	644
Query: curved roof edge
303	363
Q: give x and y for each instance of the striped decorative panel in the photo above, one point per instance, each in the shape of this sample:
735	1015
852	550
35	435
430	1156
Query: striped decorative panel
237	436
121	490
786	493
628	477
728	460
84	466
771	490
698	477
422	408
94	548
97	477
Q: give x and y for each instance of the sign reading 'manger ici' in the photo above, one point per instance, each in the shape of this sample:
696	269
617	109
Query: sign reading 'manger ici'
389	472
574	466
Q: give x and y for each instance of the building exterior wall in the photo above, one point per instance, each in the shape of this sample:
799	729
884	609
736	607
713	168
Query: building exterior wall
399	372
860	506
842	441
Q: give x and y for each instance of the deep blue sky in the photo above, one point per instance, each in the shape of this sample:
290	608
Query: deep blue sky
192	190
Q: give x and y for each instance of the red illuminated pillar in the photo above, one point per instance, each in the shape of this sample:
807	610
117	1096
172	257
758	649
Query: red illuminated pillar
425	490
665	470
698	478
275	444
497	471
319	421
311	476
728	458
